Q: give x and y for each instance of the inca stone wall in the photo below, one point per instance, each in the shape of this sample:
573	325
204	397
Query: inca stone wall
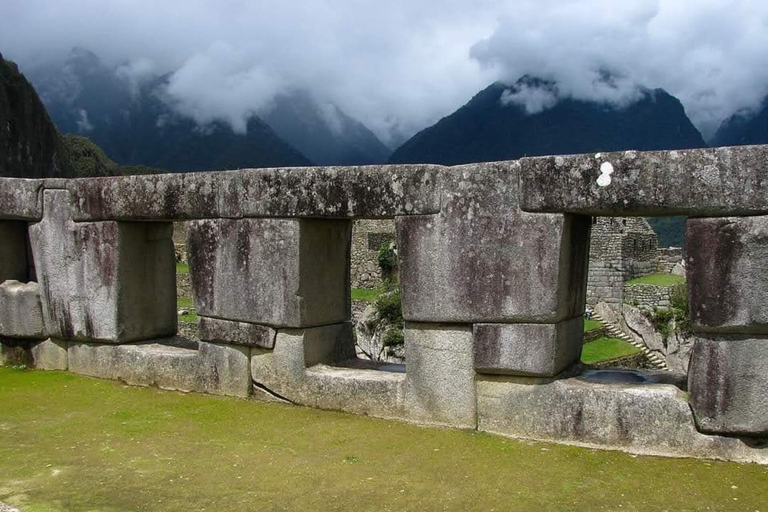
647	296
368	235
493	276
621	248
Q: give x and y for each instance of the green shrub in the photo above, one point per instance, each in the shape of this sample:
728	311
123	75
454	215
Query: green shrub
388	308
387	259
393	337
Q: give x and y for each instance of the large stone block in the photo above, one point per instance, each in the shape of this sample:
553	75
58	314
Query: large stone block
440	378
727	380
107	281
728	274
299	370
209	368
277	272
236	333
50	354
483	260
21	313
696	182
13	250
528	349
317	192
650	419
20	199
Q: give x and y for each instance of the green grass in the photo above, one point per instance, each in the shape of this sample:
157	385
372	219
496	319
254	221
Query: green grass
606	349
658	279
591	325
78	444
365	294
187	303
182	268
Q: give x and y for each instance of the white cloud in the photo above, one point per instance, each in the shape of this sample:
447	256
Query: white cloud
401	65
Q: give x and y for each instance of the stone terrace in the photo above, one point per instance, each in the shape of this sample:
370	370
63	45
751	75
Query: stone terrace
493	269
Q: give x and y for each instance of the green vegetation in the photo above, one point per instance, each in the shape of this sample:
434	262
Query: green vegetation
387	259
182	268
676	317
366	294
78	444
591	325
671	230
188	304
89	160
658	279
606	349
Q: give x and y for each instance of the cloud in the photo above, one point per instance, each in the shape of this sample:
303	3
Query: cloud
399	66
710	54
533	99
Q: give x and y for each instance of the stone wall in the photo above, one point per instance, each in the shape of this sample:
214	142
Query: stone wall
493	275
647	296
368	235
669	258
621	248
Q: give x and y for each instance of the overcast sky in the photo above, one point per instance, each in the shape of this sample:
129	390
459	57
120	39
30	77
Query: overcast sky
404	64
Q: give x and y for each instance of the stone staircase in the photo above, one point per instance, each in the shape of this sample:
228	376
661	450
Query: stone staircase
615	331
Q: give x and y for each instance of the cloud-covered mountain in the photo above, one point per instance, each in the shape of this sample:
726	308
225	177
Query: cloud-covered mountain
323	132
531	118
746	127
137	120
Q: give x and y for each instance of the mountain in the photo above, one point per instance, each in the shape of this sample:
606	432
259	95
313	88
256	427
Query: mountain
323	132
498	125
135	124
744	128
135	127
30	145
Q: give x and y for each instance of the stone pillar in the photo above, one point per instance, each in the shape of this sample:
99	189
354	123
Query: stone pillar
518	280
728	286
252	276
111	282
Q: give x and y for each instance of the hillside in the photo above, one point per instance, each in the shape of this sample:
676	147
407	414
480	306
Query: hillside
30	145
744	128
487	129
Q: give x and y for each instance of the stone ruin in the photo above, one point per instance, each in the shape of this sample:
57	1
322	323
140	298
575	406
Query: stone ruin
493	274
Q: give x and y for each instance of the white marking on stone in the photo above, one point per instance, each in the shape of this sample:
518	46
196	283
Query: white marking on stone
598	155
559	161
606	169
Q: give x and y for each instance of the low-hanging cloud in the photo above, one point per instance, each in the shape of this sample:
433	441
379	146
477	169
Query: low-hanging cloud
401	65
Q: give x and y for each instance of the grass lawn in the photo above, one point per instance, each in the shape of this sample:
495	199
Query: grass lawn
187	303
79	444
182	268
590	324
606	349
658	279
365	294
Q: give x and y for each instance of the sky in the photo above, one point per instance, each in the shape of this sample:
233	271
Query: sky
401	65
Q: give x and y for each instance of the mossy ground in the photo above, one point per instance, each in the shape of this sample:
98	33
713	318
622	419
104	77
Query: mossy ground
73	443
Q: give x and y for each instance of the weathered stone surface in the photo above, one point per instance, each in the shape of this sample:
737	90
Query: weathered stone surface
21	314
528	349
20	199
50	354
209	368
728	274
298	370
645	419
107	281
278	272
440	378
13	250
727	379
217	330
700	182
329	192
483	260
15	352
